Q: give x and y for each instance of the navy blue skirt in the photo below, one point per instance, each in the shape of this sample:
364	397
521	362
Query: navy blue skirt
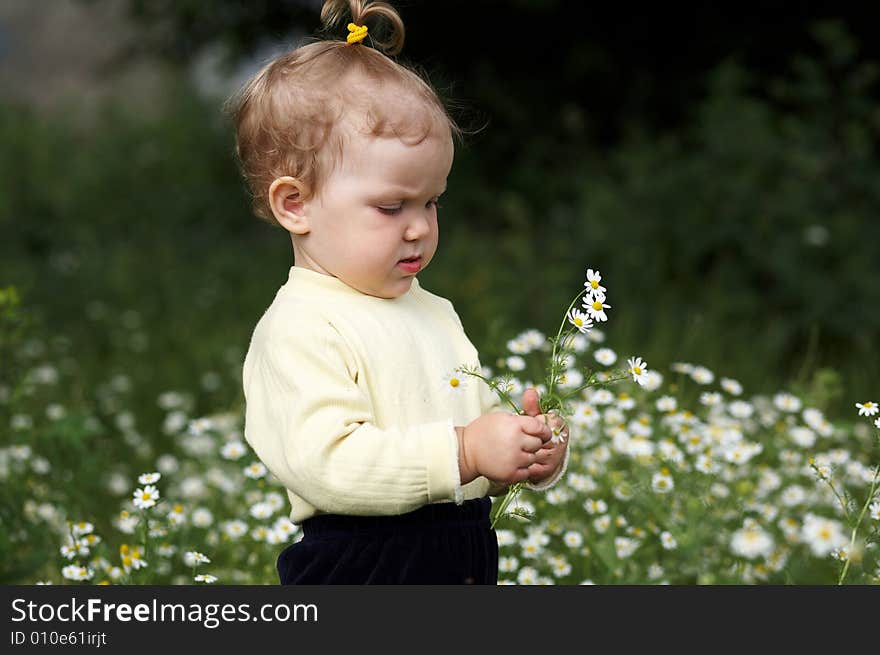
442	543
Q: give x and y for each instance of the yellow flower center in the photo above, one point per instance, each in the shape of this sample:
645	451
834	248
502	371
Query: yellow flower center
578	321
178	508
594	284
825	533
597	305
146	495
123	549
637	370
454	382
126	561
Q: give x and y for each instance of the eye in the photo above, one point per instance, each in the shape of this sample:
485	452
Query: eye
390	211
435	202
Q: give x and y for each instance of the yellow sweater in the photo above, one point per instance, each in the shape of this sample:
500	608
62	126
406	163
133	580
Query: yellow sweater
348	402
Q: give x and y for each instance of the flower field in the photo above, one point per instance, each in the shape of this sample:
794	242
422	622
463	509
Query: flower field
684	478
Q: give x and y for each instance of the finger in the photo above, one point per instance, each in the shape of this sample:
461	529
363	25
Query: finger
542	456
535	426
520	475
530	402
532	444
554	420
525	460
538	468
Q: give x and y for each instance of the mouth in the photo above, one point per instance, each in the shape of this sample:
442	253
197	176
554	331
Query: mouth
410	264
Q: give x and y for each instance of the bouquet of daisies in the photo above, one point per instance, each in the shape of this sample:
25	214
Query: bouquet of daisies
563	382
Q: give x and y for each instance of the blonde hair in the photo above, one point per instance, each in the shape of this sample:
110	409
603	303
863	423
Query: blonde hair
285	115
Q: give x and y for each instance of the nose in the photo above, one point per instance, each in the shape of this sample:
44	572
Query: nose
419	226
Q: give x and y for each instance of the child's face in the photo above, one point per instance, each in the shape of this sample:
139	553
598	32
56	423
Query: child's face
377	208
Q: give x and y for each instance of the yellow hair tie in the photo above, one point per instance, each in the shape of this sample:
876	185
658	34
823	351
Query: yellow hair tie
357	33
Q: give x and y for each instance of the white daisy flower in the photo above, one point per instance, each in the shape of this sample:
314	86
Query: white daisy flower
573	539
579	343
877	423
596	308
515	363
82	528
146	497
731	386
638	368
233	450
167	463
592	283
149	478
527	576
202	517
822	535
455	381
570	379
661	482
207	578
235	528
668	541
560	566
605	356
255	471
740	409
261	511
194	558
199	426
702	375
508	564
518	346
505	538
653	380
602	397
751	541
803	437
534	338
624	546
666	404
595	506
867	409
875	510
126	522
74	572
710	398
787	402
580	320
602	524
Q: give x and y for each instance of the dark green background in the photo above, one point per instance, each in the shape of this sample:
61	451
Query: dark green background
689	153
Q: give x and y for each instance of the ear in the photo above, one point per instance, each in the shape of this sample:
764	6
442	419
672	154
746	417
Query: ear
287	198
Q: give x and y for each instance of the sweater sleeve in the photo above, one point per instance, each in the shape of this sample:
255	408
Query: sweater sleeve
313	427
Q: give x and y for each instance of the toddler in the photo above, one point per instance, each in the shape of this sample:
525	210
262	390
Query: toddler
389	467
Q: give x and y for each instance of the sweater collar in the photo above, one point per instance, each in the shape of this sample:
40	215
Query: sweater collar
300	279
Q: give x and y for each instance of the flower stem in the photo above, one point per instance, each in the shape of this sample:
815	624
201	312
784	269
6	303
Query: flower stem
499	509
556	343
852	540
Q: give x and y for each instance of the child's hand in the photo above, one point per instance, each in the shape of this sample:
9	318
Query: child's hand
500	447
549	457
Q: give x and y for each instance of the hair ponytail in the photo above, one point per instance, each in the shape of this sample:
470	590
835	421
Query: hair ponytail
388	33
